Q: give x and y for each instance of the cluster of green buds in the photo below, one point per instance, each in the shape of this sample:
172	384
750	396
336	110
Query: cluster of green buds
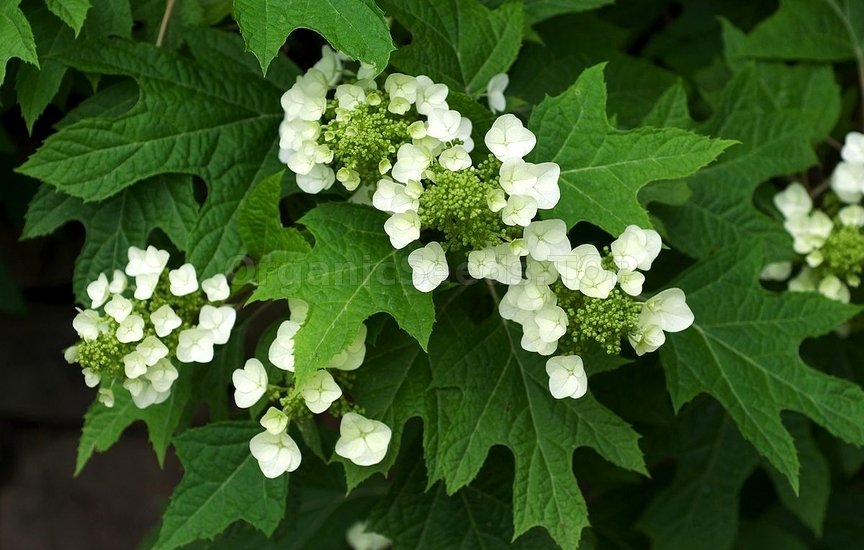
135	331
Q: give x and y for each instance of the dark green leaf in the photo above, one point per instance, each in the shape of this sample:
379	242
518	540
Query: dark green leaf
222	484
114	225
460	43
103	426
700	508
225	133
354	27
603	168
743	350
259	223
352	272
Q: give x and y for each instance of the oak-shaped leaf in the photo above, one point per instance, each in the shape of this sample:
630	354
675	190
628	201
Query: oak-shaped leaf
743	350
602	168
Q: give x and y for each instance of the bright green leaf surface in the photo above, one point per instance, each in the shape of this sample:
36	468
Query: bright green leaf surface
259	224
700	508
116	224
103	426
222	484
603	168
460	43
670	110
816	30
497	394
743	350
354	27
16	37
225	133
774	141
72	12
352	272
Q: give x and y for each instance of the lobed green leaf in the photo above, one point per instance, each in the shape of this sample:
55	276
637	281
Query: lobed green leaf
602	168
354	27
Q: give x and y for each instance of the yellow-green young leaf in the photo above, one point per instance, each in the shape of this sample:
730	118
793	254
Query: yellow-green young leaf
743	350
700	508
72	12
16	37
352	272
354	27
825	30
260	225
222	484
225	132
762	107
538	10
115	224
491	392
602	168
103	426
460	43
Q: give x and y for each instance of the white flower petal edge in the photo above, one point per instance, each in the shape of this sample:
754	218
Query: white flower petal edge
275	453
429	267
567	377
250	383
320	392
362	441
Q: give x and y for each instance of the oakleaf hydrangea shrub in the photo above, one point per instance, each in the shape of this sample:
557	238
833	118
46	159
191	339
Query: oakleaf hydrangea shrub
448	276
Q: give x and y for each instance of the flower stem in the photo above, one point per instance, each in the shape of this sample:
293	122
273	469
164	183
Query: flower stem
169	7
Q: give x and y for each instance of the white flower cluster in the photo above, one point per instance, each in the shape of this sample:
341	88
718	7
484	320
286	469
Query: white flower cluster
431	182
832	247
522	189
305	143
533	303
144	326
362	441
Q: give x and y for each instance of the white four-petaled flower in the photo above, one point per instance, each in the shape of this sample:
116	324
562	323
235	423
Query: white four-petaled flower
320	391
216	288
362	441
495	92
275	453
429	267
195	345
509	139
250	383
567	377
